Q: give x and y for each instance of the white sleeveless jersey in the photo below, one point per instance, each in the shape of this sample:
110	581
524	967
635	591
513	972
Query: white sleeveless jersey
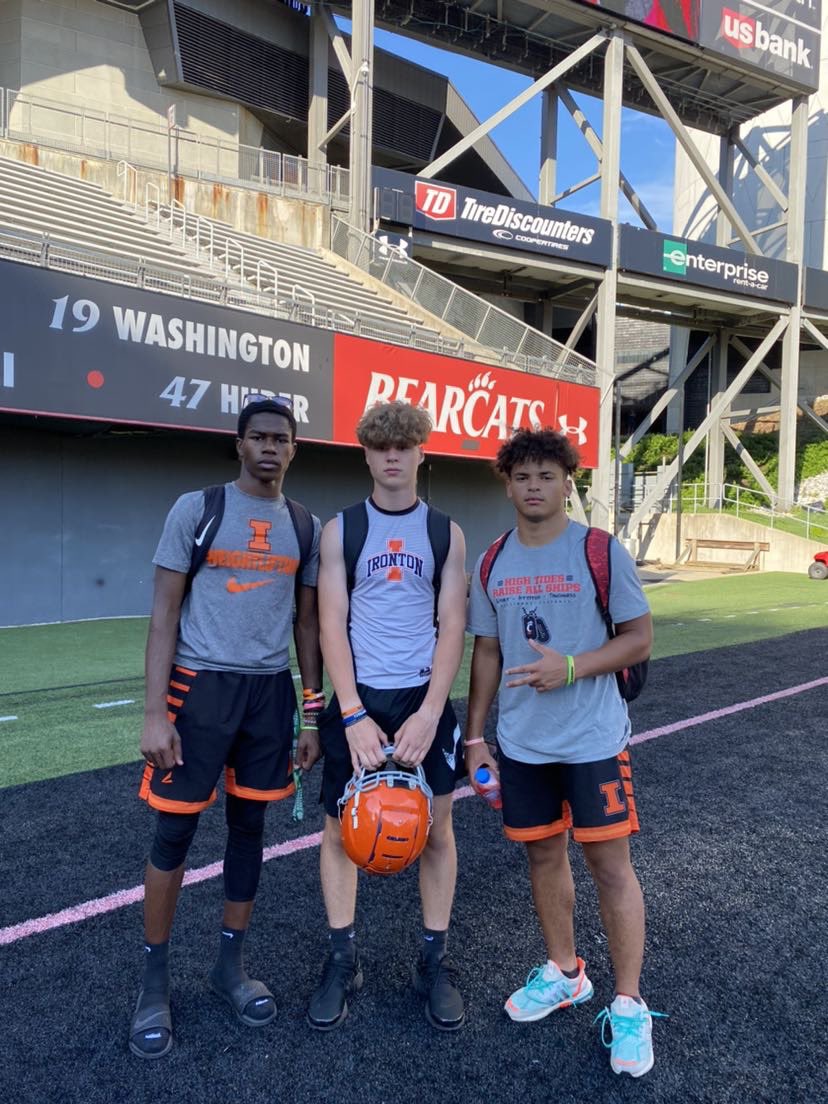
392	603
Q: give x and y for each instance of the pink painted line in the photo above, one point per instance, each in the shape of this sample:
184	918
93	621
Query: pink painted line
728	710
124	897
101	905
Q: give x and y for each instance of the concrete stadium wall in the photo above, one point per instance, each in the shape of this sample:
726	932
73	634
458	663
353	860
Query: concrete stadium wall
82	515
80	52
293	221
657	541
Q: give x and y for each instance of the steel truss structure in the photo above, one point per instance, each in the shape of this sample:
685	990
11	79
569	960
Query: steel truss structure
565	46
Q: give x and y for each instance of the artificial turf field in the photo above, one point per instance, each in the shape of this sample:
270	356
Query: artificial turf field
731	857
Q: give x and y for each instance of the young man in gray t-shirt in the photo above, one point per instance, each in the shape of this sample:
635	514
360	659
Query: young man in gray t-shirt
220	697
562	732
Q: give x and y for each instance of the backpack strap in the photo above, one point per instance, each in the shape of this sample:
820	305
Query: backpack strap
354	534
489	557
439	537
205	531
303	525
597	550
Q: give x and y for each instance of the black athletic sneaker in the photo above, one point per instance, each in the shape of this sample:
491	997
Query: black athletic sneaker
341	977
436	980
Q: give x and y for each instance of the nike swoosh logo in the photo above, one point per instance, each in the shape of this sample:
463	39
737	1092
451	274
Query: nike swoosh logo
199	540
235	587
451	759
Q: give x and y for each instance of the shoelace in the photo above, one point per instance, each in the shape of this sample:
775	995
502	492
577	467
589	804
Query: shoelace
537	979
623	1028
439	971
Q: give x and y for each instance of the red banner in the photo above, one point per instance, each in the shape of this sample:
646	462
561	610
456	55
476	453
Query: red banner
474	407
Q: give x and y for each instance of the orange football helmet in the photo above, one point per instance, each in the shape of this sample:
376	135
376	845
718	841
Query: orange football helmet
385	816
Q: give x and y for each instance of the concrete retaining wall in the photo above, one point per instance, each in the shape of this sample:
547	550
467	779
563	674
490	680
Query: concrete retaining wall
657	541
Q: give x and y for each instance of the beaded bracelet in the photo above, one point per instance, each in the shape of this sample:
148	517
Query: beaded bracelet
570	670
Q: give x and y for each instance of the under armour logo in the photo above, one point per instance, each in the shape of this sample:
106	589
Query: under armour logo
574	431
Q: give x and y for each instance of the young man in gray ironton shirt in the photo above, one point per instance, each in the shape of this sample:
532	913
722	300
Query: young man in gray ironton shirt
393	669
220	695
562	732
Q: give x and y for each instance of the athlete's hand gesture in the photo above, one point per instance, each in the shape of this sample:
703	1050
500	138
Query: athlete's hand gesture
160	743
307	748
415	736
366	742
548	672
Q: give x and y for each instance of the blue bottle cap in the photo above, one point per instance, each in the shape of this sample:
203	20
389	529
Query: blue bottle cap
482	775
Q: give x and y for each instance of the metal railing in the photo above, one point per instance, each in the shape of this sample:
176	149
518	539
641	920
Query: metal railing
197	236
505	339
150	145
40	249
810	522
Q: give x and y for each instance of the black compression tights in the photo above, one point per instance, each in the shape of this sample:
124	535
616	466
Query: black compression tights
243	857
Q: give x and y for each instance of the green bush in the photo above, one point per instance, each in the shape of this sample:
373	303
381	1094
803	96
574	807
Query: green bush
811	458
814	460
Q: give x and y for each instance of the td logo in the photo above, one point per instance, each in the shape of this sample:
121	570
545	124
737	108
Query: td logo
675	258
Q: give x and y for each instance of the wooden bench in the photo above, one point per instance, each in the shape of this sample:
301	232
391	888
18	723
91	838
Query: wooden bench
752	563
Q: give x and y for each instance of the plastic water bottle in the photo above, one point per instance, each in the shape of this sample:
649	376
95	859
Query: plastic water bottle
488	787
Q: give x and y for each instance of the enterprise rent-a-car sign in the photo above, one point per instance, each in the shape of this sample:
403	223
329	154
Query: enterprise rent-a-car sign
498	220
693	262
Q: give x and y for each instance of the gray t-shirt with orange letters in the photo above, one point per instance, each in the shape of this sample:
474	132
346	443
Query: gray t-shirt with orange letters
238	615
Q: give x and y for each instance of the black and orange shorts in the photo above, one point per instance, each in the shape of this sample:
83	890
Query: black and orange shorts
241	723
595	800
443	764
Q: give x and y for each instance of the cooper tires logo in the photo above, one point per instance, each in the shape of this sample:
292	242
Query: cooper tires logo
504	235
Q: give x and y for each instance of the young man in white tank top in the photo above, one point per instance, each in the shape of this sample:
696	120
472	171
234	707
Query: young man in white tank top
386	660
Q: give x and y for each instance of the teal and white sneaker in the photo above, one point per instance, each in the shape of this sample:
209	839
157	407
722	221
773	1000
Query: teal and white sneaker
546	990
630	1029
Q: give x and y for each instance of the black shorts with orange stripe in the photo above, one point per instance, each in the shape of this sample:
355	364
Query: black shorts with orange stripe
443	764
595	800
241	723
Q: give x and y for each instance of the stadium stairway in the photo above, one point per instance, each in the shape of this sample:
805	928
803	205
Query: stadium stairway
299	276
307	285
76	213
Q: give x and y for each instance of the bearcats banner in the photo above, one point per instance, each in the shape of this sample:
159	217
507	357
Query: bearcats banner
84	348
474	407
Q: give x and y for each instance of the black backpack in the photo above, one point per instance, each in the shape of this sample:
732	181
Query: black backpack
597	549
211	520
355	530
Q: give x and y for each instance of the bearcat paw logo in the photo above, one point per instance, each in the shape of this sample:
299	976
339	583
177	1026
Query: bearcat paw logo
482	383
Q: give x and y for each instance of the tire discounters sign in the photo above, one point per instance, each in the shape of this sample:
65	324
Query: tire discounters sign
500	220
777	36
84	348
473	407
693	262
